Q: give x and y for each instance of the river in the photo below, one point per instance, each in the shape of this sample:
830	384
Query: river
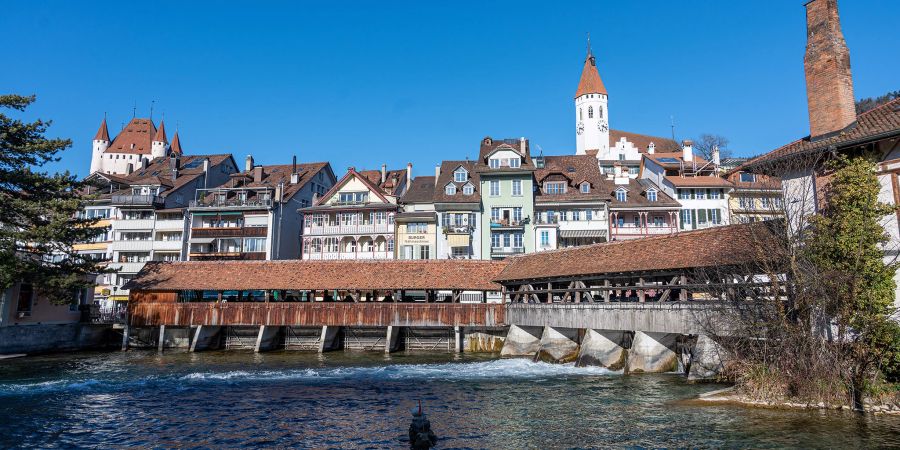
349	400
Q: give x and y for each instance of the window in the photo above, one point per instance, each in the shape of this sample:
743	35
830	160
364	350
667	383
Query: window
506	239
764	201
354	197
331	245
747	177
517	187
515	162
714	216
255	244
590	112
495	188
416	228
494	163
468	189
589	214
390	245
633	170
651	195
517	215
459	252
407	252
637	221
600	112
622	157
715	194
495	214
555	187
495	240
580	114
26	300
461	175
620	222
686	218
701	217
621	195
450	189
585	187
545	238
700	194
517	240
424	251
658	221
744	202
684	194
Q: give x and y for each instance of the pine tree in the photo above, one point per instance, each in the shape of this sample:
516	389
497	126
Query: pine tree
39	221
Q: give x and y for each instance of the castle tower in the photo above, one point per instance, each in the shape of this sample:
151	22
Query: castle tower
100	144
175	148
829	85
158	148
591	111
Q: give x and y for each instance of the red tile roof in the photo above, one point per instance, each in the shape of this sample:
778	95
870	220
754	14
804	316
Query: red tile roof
446	177
762	182
273	175
102	132
176	145
573	170
720	246
698	181
306	275
135	138
421	190
161	133
590	82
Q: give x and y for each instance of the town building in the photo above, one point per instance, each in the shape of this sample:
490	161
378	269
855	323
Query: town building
569	202
694	182
457	200
506	172
755	197
638	208
417	226
355	219
138	142
255	213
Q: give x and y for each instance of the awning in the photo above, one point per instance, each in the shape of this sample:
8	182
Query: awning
118	298
458	240
201	240
582	233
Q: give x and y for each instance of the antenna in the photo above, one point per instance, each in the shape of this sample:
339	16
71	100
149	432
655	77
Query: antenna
151	109
133	110
673	127
589	43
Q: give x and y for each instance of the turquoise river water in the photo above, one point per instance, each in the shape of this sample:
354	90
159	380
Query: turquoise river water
355	400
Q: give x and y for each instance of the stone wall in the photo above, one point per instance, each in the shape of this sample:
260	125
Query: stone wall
48	338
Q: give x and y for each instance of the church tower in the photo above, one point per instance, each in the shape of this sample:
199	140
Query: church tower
591	111
101	143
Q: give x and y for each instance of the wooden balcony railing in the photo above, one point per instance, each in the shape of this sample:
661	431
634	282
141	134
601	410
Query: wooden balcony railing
318	314
229	232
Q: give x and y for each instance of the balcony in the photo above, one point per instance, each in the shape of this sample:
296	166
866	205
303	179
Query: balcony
348	255
127	267
133	224
509	223
132	246
208	256
214	201
507	251
137	200
167	245
229	232
458	229
169	224
326	230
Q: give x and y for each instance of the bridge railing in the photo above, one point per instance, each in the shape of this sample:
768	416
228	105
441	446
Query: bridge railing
318	314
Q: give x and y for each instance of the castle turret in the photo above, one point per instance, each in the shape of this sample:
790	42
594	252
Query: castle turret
175	148
100	144
591	112
159	145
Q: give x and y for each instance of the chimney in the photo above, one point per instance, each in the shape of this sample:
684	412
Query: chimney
522	145
408	175
829	84
294	165
129	168
205	165
715	156
295	177
437	173
279	192
257	174
383	173
248	166
687	150
651	149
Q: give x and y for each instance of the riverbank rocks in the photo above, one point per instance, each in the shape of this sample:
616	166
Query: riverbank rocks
707	359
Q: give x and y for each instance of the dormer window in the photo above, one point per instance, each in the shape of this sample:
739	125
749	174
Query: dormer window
460	175
494	163
515	162
621	195
554	187
585	187
450	189
468	189
651	195
747	177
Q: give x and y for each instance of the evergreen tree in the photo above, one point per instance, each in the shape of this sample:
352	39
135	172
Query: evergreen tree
39	220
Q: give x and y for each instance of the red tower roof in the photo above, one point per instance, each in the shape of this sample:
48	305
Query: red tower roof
103	132
161	133
590	82
176	144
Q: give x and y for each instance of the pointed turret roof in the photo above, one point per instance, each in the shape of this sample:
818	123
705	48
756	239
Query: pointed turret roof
161	133
590	82
103	132
176	144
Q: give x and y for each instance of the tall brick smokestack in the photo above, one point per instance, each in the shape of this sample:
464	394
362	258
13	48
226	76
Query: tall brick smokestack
829	85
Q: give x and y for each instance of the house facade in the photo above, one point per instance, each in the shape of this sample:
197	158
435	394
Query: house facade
506	173
457	201
755	197
417	226
255	214
356	218
638	208
570	206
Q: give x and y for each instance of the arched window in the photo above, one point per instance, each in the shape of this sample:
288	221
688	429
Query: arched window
590	112
580	114
600	112
621	195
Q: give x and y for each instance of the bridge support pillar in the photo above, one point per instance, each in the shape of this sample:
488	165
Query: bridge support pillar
269	338
206	337
558	345
330	339
707	359
392	339
652	352
161	342
604	348
522	341
457	344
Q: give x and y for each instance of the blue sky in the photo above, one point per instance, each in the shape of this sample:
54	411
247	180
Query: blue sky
362	83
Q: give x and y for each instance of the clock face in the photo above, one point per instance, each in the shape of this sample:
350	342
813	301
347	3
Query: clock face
602	127
580	128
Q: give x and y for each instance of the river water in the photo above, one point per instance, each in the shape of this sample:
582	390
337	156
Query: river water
350	400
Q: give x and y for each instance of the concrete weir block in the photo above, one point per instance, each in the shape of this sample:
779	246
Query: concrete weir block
558	345
522	341
206	338
392	339
707	359
652	352
269	338
330	339
604	348
477	340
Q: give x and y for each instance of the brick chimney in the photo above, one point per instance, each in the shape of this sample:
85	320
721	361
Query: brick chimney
829	85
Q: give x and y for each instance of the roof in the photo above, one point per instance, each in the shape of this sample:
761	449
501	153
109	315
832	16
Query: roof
637	195
304	275
490	145
176	145
446	177
642	141
159	172
718	246
416	216
136	138
674	160
366	177
421	191
876	124
102	132
392	180
761	182
161	133
272	175
573	169
699	181
590	82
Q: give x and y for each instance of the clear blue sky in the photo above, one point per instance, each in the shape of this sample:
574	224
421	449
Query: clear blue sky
370	82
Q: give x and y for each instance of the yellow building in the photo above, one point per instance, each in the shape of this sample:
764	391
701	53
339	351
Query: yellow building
755	197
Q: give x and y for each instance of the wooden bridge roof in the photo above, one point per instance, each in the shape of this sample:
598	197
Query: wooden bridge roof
730	245
308	275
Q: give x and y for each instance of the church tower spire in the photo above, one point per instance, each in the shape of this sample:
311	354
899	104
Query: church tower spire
591	112
100	144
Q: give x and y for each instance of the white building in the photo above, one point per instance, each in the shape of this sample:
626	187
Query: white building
139	142
457	200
